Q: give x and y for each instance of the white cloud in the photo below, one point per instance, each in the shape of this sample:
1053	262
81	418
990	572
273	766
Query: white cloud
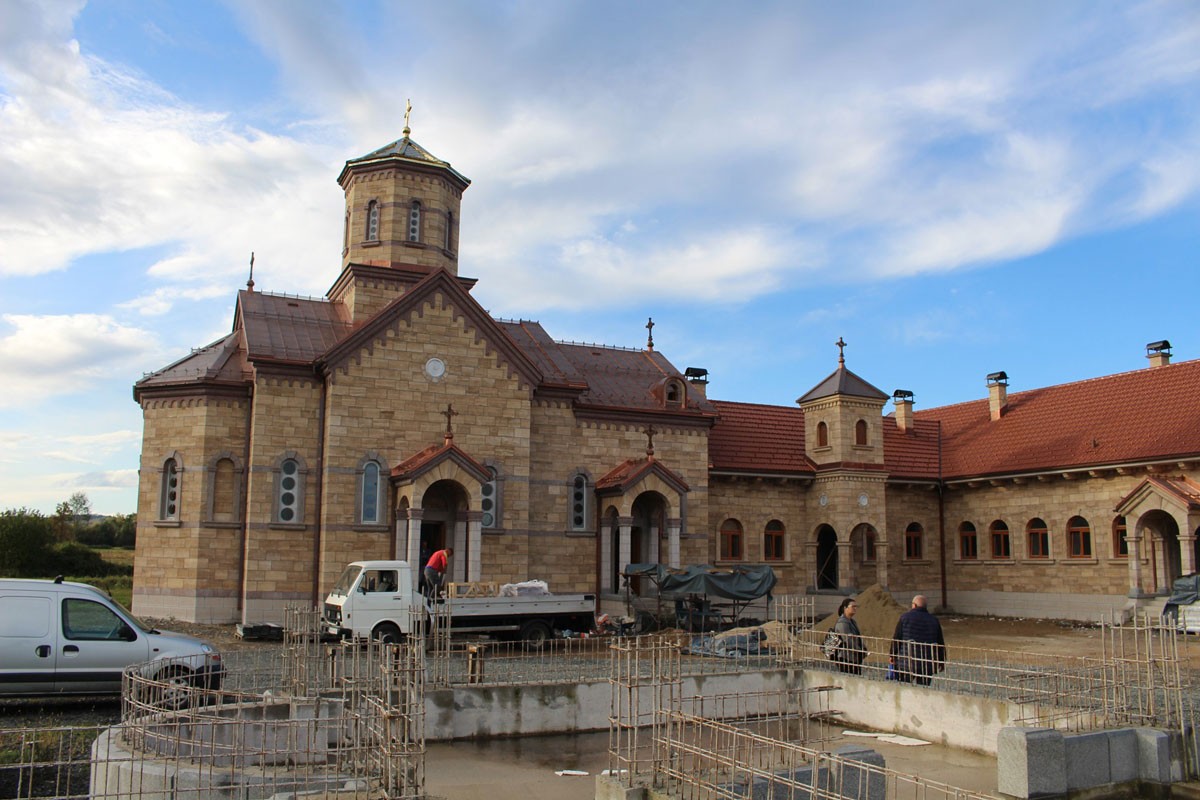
45	356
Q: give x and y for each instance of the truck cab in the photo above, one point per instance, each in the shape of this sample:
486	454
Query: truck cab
373	598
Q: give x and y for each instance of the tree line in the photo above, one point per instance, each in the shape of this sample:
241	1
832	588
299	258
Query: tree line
34	545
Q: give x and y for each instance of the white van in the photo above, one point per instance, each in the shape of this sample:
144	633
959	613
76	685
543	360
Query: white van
71	638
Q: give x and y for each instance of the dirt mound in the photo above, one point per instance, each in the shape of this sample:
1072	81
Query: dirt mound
876	617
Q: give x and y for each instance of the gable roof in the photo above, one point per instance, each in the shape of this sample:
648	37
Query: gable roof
1131	417
425	460
842	381
628	473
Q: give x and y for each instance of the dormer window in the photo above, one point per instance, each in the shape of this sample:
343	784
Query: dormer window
414	221
822	435
674	394
372	232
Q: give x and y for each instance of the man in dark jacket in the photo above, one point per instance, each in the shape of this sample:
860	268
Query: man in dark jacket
918	648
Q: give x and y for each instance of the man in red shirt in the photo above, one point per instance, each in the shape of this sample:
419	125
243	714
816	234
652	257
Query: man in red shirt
435	571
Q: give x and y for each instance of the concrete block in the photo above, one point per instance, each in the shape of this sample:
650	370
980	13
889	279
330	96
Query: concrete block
1159	756
859	782
1123	758
1031	762
1088	760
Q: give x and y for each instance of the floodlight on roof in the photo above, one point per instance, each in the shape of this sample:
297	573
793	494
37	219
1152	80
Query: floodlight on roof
1162	346
1000	377
902	395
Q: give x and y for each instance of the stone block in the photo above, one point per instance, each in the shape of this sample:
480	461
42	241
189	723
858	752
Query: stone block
858	782
1123	757
1030	762
1159	756
1088	760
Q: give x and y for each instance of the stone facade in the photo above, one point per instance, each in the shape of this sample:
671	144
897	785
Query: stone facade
397	416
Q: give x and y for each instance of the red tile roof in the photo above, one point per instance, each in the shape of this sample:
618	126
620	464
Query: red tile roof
1148	414
627	473
754	438
1181	487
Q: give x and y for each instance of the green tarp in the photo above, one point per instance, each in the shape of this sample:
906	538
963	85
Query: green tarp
733	583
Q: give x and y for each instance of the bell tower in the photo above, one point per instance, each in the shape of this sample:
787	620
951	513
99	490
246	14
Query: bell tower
402	208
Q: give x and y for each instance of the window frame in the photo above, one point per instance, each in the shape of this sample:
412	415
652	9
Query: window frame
967	532
1079	538
999	532
414	222
279	488
731	541
774	541
371	227
861	431
914	542
371	460
579	493
1120	537
822	434
170	488
1037	540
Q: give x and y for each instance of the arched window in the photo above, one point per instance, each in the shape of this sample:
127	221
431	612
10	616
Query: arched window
674	394
581	502
1038	538
731	540
1079	538
1120	544
1001	541
774	536
869	544
414	221
822	435
860	432
289	491
914	543
370	493
489	501
450	231
968	542
372	232
224	491
168	492
346	233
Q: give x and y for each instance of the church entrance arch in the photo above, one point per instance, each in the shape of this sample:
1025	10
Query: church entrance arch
649	514
1165	557
444	524
827	558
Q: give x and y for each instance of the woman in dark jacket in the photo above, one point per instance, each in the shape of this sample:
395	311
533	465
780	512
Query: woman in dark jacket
851	654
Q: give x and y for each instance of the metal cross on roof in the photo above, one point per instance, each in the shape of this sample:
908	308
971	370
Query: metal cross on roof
841	346
250	283
407	113
448	414
650	333
650	431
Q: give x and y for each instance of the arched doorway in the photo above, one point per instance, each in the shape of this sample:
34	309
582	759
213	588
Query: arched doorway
443	524
649	514
862	558
827	558
1161	531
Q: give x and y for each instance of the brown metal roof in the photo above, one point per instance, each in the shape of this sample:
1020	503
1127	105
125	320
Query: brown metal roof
293	329
221	362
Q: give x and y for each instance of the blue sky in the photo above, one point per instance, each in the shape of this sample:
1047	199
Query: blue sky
954	188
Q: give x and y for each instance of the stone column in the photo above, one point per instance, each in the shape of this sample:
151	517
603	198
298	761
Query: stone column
674	524
844	578
624	543
413	557
654	545
1133	542
606	555
400	537
474	545
462	552
810	564
881	560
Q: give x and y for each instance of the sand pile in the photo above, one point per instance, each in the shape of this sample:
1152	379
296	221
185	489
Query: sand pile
876	617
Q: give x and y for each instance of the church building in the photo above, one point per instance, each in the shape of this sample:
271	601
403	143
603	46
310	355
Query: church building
396	416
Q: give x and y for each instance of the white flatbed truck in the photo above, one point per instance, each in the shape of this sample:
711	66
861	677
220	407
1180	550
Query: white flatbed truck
376	599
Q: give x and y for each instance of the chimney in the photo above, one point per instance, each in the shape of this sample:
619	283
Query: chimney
1159	353
997	394
904	413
